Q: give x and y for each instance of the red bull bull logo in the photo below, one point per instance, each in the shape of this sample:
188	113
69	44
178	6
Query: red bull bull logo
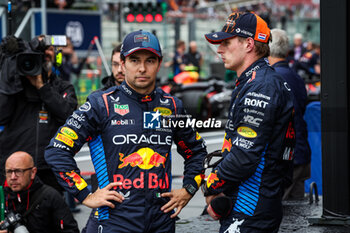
226	145
78	181
198	136
146	98
199	179
211	179
144	158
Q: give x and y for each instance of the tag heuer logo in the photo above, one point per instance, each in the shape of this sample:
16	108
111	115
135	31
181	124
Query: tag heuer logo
121	109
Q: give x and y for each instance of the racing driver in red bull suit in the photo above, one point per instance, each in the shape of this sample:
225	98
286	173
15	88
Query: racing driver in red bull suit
130	129
258	144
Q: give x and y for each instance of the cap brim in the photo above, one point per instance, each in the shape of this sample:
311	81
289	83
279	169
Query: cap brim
149	49
218	37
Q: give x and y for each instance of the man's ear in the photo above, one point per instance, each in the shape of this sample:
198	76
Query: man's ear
160	64
250	44
33	173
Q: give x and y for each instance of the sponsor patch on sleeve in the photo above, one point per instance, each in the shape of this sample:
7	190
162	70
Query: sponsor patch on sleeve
69	133
246	132
66	140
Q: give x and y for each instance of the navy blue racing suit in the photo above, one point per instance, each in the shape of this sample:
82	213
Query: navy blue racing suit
130	141
257	151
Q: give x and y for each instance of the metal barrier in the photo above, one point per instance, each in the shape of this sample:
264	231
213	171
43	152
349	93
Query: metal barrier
3	21
30	15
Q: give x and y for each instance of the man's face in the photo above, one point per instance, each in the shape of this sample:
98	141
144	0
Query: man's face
182	48
50	54
21	175
117	69
298	41
141	70
232	53
193	47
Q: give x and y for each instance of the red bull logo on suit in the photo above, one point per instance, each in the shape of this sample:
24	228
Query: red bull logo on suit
144	158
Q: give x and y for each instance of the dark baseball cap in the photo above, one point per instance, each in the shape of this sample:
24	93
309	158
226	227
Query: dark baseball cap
140	40
242	24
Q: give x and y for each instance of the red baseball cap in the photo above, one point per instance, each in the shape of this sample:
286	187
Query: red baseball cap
243	24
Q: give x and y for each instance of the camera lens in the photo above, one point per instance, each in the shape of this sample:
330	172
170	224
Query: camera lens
29	63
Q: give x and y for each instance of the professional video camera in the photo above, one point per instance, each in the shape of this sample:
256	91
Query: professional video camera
13	222
21	58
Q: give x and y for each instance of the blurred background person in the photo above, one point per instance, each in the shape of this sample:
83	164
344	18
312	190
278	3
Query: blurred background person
302	152
177	61
298	47
70	62
118	75
309	61
193	57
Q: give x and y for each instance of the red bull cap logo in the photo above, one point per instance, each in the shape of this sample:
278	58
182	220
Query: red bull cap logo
144	158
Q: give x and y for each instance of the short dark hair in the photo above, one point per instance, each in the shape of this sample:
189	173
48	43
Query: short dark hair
261	49
116	50
180	43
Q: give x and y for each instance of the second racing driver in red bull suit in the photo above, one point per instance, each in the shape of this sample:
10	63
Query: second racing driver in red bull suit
130	130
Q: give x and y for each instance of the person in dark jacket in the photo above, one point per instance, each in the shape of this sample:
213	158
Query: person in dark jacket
117	76
177	60
193	57
32	116
259	134
302	152
23	189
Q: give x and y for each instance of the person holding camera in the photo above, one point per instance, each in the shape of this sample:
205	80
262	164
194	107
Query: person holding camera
30	203
32	107
259	135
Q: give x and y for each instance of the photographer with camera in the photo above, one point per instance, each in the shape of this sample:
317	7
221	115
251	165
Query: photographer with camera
32	206
34	102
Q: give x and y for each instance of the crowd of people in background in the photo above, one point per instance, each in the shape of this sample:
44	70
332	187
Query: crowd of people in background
47	101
